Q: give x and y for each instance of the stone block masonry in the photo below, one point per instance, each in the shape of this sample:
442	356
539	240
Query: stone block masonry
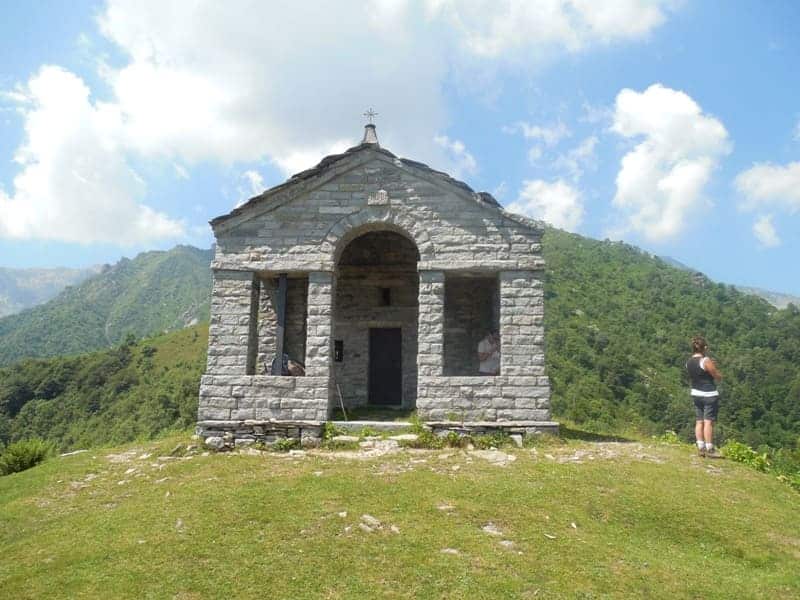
371	241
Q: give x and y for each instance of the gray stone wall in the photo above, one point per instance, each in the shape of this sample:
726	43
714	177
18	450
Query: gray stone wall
500	398
229	330
237	398
521	322
430	341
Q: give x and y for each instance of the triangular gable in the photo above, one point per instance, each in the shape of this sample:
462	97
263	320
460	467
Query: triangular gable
336	165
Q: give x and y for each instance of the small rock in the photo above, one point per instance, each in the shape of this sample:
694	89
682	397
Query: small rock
492	529
370	520
449	551
404	437
573	525
317	473
343	514
549	536
507	544
176	450
517	439
495	457
130	471
214	442
345	438
74	452
141	542
455	467
179	524
365	527
162	480
394	529
445	507
123	482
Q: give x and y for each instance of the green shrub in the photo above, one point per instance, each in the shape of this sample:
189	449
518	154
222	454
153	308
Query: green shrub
668	437
498	439
24	455
284	444
330	430
743	453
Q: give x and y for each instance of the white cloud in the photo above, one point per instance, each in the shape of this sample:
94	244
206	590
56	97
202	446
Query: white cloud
197	80
661	180
535	154
464	162
75	184
550	135
494	28
557	203
578	159
770	185
765	232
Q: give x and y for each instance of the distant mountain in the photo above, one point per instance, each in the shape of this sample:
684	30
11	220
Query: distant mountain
777	299
26	288
156	291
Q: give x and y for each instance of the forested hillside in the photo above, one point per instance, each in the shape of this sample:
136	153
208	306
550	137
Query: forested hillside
618	324
136	390
156	291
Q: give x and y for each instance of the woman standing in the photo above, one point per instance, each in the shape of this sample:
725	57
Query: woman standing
704	375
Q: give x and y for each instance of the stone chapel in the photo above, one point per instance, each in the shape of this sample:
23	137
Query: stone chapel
381	276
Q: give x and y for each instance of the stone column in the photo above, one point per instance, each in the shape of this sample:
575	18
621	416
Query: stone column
232	328
319	328
521	323
430	333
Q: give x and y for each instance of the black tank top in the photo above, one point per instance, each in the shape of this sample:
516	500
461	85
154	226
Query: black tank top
701	380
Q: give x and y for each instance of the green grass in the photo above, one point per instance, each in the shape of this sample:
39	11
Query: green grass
652	520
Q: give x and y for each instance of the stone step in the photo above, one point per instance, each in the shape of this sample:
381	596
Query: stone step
374	425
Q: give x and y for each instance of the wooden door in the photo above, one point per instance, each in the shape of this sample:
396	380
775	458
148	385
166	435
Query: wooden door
385	367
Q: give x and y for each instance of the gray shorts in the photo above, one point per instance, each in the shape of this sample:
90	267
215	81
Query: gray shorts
706	408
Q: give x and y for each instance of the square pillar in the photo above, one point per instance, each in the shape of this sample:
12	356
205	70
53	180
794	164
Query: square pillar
319	329
521	323
430	332
232	331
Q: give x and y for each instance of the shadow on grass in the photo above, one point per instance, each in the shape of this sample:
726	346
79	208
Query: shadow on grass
570	433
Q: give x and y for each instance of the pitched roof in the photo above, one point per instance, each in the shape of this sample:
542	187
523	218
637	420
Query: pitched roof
329	161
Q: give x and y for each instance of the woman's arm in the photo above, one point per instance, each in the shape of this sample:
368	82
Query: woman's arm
712	369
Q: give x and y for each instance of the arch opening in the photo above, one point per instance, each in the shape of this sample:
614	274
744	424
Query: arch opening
375	315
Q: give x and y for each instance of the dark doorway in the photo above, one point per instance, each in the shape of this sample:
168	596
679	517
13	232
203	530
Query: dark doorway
385	367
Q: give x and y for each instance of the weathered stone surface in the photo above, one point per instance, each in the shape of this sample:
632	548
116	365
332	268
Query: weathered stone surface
215	442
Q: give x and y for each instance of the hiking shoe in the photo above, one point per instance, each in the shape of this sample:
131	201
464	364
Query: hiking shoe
701	452
713	454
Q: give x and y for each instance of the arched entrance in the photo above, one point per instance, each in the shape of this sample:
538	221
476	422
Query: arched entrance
375	321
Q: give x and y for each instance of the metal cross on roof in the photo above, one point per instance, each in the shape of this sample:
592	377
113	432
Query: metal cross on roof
370	114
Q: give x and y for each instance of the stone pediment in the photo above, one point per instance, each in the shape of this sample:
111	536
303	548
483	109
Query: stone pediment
337	166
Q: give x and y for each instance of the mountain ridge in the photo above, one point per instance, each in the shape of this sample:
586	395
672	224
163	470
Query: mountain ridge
173	285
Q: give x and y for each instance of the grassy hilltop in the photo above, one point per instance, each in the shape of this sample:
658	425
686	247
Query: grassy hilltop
572	519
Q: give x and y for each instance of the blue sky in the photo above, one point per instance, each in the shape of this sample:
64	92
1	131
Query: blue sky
672	125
